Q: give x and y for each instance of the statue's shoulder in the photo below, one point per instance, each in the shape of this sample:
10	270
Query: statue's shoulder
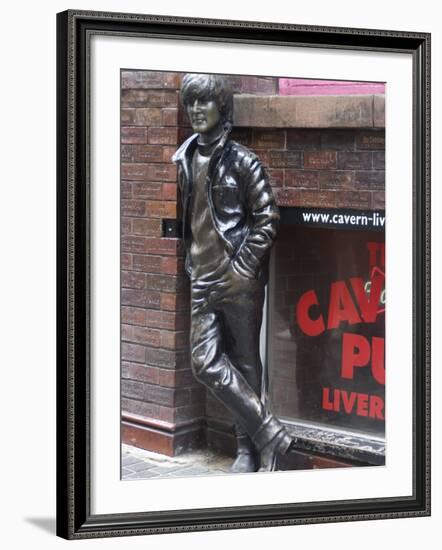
244	158
241	152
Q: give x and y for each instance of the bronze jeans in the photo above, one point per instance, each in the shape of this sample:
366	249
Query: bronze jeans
224	342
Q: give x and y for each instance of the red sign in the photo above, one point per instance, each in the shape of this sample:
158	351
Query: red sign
336	327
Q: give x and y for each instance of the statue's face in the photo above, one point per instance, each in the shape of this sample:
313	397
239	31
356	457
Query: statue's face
204	115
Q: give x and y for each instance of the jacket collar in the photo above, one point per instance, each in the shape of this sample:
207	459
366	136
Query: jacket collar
185	149
183	155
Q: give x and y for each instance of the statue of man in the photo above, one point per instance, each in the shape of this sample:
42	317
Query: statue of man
230	221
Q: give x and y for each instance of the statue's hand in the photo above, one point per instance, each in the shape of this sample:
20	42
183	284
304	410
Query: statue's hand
232	282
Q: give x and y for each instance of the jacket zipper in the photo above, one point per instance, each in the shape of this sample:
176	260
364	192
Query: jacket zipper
209	181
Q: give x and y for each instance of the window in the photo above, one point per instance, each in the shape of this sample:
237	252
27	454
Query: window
326	321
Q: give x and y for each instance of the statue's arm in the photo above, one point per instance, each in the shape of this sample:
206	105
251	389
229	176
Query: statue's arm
264	219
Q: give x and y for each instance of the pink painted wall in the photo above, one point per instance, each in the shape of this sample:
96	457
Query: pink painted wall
304	86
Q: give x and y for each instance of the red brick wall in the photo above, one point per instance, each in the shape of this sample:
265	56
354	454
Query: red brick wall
322	167
162	404
157	384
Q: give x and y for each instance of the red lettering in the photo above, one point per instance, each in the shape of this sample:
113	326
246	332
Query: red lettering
341	306
355	353
377	359
368	307
348	400
372	253
361	404
336	399
376	407
326	403
362	408
382	250
311	327
373	250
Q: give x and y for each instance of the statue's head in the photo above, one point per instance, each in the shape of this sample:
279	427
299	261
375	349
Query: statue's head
208	100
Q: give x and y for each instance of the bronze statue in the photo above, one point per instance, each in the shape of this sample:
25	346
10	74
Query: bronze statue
230	221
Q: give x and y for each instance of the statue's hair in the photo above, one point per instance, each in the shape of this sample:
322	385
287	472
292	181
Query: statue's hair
209	87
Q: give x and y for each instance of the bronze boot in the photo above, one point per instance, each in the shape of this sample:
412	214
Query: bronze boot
247	459
272	440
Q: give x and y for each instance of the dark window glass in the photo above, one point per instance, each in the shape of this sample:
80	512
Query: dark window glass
326	327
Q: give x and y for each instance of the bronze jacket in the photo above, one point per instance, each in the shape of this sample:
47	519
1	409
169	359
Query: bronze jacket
240	199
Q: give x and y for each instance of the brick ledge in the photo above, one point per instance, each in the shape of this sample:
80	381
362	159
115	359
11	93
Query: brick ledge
162	441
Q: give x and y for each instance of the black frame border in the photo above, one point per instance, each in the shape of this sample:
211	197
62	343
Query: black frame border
74	519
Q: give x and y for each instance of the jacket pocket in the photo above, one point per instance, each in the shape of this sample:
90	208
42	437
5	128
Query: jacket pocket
227	197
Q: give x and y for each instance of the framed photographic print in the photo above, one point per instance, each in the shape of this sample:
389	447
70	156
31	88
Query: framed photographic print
235	202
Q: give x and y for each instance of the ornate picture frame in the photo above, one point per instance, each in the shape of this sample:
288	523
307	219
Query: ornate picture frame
76	219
